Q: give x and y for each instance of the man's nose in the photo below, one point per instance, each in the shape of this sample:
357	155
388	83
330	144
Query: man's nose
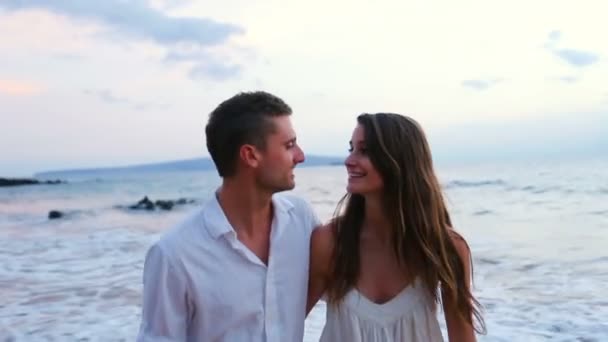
299	157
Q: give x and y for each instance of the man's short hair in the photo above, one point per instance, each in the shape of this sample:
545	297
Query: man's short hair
242	119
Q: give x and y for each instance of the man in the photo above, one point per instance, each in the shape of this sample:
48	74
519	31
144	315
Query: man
237	270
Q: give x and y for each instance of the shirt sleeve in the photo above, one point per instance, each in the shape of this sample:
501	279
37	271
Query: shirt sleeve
314	218
164	308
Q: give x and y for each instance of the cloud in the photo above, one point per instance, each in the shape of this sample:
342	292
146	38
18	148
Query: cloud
107	96
480	85
136	19
568	79
576	57
215	71
148	106
204	65
70	57
171	4
555	35
186	55
19	88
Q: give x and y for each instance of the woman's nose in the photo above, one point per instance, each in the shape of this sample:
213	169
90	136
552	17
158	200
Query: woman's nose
349	161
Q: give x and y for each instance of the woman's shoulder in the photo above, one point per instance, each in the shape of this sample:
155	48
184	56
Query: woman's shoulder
322	243
324	236
460	243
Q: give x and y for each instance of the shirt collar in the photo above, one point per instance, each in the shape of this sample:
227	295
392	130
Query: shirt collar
217	223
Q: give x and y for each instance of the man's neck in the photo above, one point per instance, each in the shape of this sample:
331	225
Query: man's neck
248	209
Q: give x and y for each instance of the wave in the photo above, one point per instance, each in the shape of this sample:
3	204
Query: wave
533	189
599	212
487	261
475	184
483	212
541	190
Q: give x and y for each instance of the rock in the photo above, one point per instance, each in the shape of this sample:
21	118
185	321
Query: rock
55	214
17	181
147	204
27	181
144	203
183	201
165	205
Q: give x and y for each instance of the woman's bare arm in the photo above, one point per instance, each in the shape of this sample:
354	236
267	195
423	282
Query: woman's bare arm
459	330
321	250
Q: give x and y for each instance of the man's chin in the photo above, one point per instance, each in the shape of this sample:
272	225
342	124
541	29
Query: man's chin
286	187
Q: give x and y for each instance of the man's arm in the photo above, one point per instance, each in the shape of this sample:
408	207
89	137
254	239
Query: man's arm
164	308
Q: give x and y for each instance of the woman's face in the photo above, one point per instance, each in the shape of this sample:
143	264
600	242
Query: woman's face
363	178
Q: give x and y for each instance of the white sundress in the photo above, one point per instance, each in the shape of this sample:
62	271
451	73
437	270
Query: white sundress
409	316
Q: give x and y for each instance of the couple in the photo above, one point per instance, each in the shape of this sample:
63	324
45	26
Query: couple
251	264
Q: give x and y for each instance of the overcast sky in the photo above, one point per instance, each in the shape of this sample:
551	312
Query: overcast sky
102	83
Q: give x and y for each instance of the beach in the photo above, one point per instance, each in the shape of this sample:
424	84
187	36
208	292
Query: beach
538	233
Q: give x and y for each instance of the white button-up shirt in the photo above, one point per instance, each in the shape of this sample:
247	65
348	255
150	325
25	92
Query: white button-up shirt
202	284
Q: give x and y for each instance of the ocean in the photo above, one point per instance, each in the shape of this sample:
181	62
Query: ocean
538	232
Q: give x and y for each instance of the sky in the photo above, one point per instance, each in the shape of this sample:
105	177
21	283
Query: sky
117	82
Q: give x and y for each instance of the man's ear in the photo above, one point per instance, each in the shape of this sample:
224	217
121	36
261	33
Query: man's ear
250	155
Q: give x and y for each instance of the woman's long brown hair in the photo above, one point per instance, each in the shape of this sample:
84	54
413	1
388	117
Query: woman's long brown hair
413	202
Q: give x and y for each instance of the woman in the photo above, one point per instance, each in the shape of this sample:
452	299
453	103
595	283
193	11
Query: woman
390	254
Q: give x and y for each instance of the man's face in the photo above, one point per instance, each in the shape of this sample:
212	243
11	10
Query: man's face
282	154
